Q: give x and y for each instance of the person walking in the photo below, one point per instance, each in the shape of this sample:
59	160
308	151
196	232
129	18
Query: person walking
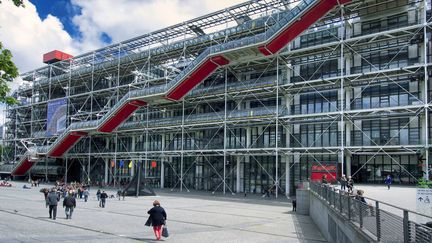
350	184
103	197
52	201
69	203
86	195
157	218
45	192
388	181
98	194
324	179
343	182
119	193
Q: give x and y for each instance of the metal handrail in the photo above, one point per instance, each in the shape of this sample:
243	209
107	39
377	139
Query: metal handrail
383	224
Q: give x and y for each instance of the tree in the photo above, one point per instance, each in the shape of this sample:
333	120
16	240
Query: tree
8	70
18	3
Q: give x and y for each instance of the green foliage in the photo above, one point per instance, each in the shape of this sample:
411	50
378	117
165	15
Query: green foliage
18	3
8	71
422	183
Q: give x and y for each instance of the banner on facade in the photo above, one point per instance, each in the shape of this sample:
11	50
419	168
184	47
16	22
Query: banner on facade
56	117
318	170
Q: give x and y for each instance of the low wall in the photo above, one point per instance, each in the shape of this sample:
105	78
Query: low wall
334	227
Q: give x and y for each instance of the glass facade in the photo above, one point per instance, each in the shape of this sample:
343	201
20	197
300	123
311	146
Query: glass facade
355	92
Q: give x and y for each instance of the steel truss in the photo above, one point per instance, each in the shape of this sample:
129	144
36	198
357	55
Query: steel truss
244	128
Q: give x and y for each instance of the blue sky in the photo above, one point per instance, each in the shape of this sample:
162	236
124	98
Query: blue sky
80	26
64	10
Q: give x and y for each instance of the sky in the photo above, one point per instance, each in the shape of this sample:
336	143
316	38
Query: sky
79	26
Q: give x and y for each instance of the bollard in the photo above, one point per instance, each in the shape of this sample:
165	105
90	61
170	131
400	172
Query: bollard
360	213
349	207
378	221
406	226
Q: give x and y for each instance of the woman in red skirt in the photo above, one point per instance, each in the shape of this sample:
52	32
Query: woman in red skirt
157	218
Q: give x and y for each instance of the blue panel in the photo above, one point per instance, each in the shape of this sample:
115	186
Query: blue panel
56	117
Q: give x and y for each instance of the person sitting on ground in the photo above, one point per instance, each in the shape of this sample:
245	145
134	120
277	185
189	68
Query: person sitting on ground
360	197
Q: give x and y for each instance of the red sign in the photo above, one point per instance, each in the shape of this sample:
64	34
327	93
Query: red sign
318	171
153	164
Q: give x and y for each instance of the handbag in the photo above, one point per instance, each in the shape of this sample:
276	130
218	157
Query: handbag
165	231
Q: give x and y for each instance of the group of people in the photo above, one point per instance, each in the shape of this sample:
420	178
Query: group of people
35	183
101	197
53	197
5	184
347	183
157	215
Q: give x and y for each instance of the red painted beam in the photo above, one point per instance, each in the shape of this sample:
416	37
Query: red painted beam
138	103
220	60
124	112
296	28
201	73
67	143
22	167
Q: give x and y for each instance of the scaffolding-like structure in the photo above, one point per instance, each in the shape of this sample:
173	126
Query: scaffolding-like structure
350	94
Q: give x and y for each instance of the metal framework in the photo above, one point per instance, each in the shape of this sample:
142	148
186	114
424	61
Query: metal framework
351	91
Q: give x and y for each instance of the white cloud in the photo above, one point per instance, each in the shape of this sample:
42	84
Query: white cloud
29	37
123	19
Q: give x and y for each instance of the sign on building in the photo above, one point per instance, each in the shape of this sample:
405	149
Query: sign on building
424	203
56	117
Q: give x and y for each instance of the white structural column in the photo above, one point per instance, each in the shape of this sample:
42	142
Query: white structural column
238	190
106	171
162	160
277	129
182	146
342	92
288	131
348	129
162	174
426	100
89	159
132	168
225	132
66	172
107	165
238	165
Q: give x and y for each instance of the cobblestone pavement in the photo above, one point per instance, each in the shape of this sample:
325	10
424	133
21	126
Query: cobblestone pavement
24	218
